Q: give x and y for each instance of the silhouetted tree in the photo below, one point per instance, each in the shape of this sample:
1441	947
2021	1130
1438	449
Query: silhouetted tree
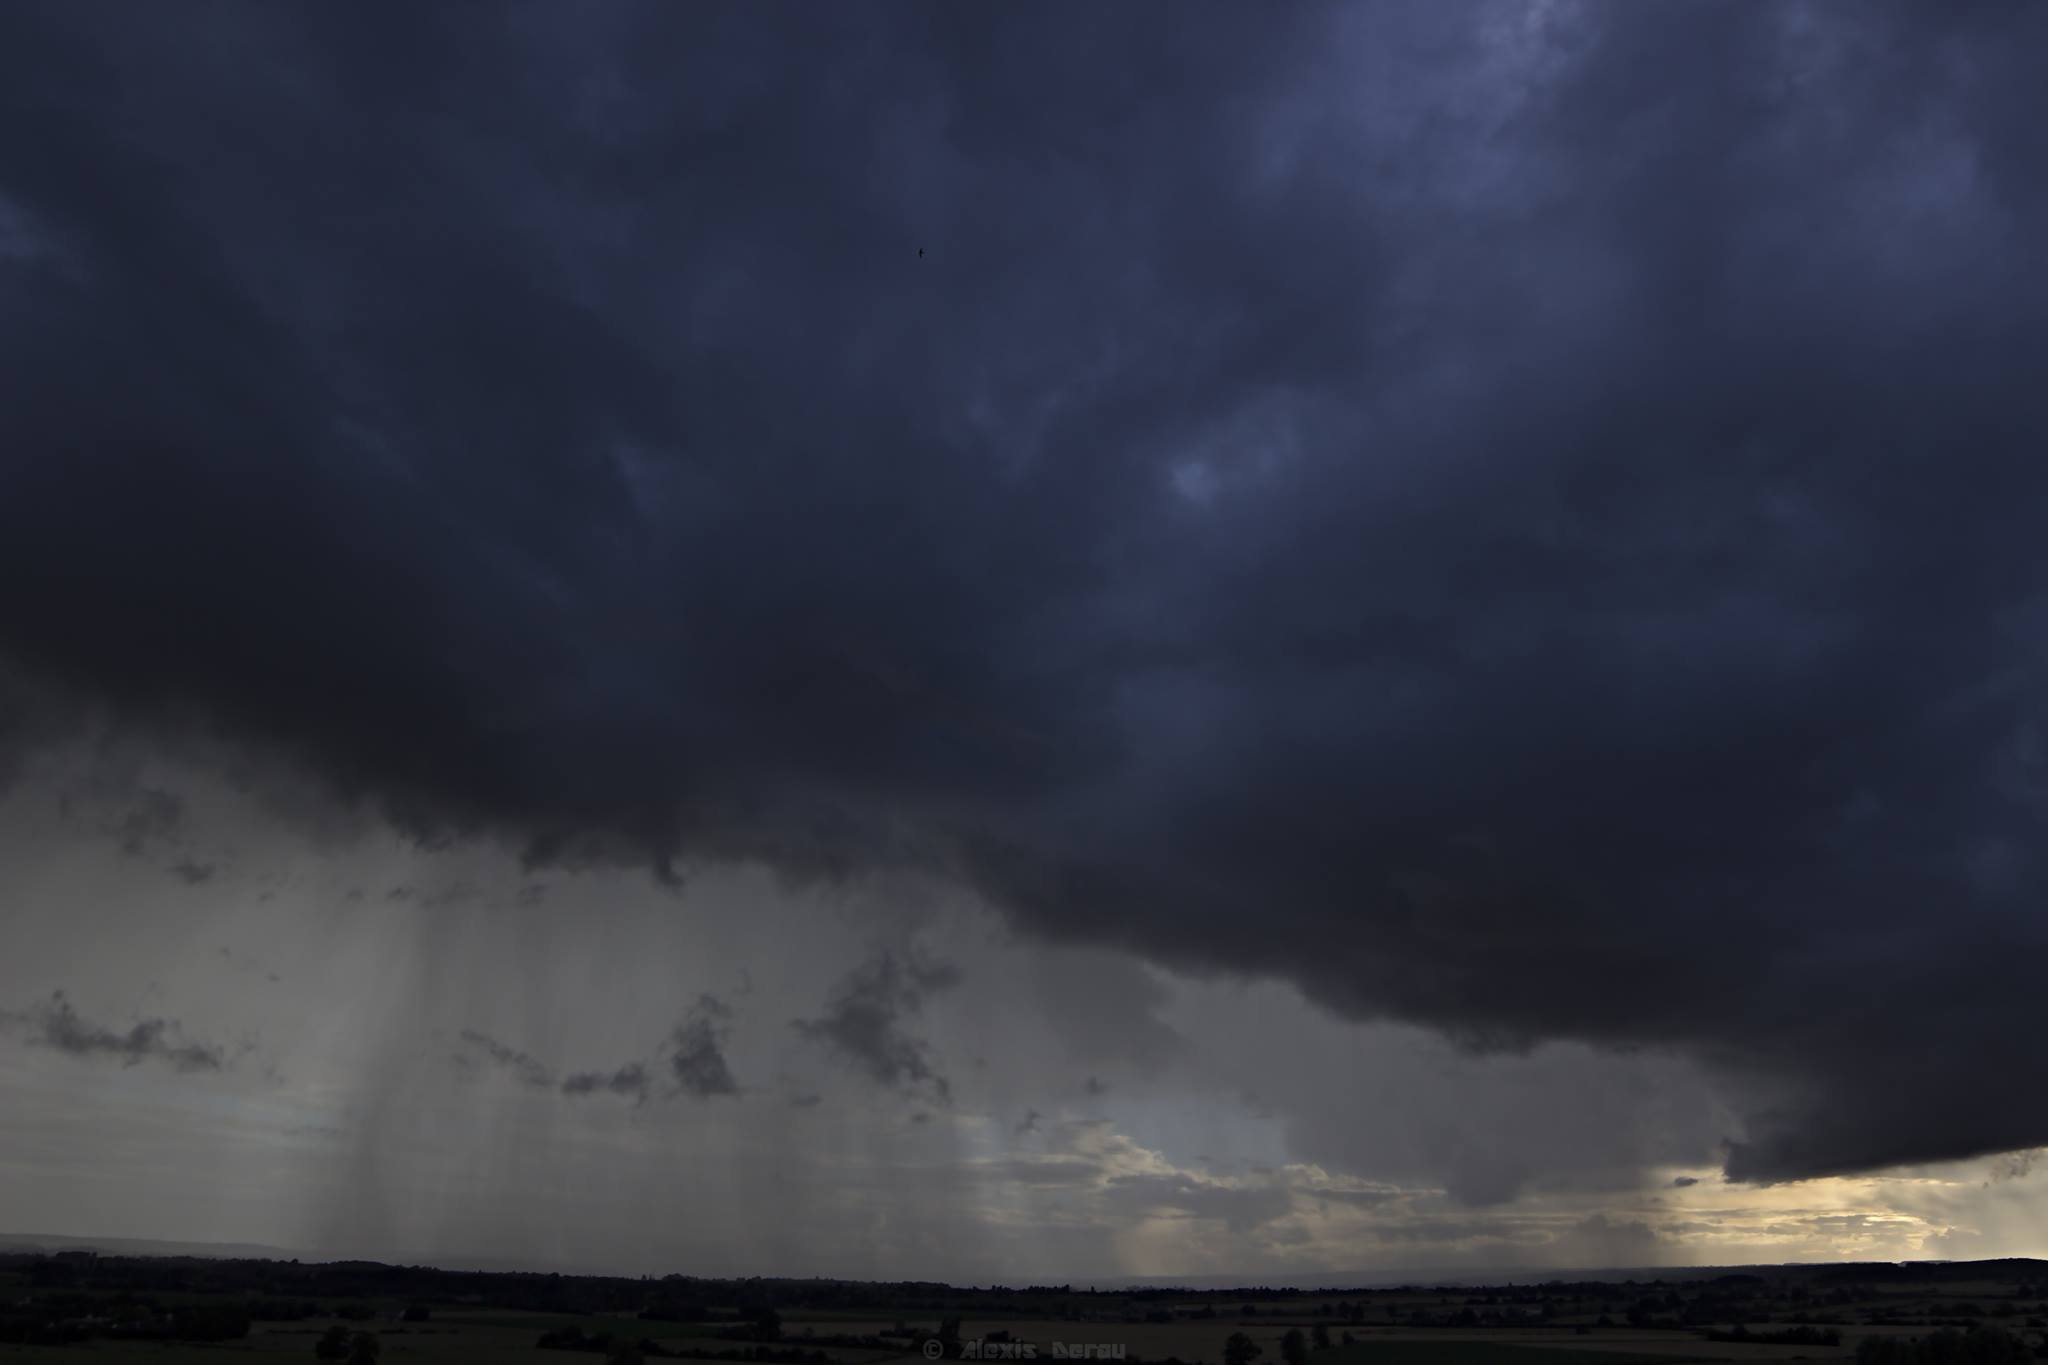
1294	1347
1241	1350
333	1344
1322	1336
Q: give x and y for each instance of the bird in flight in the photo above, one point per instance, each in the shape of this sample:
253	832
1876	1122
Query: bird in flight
920	253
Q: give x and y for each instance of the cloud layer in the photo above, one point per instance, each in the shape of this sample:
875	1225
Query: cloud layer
1521	520
693	1056
55	1023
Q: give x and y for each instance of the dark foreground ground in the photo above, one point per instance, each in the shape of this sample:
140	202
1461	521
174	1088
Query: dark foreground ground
81	1307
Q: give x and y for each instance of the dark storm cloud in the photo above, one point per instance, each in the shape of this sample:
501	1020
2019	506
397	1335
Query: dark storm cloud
192	873
154	816
528	1070
2017	1165
628	1080
55	1023
696	1055
1530	531
864	1022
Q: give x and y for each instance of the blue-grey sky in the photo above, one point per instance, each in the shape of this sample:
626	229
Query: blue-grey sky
877	638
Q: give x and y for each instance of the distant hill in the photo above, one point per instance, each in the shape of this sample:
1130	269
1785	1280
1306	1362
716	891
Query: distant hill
1934	1272
2018	1269
143	1246
18	1242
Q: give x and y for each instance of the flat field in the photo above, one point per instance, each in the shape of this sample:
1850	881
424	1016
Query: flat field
481	1338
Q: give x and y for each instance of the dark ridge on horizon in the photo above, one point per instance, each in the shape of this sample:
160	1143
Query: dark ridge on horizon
1421	1277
